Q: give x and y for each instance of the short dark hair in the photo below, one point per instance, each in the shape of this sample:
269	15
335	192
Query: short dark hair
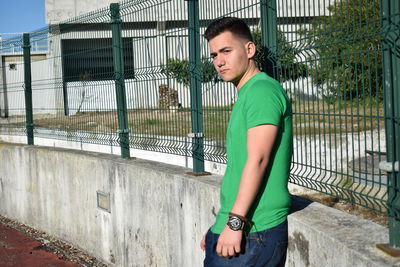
234	25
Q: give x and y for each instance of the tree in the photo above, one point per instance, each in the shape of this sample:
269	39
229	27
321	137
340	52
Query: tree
289	68
84	77
348	60
179	69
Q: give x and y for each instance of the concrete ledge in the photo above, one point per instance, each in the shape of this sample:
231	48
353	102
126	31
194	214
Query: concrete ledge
157	214
323	236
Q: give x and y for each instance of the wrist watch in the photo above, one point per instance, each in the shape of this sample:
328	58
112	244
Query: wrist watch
236	222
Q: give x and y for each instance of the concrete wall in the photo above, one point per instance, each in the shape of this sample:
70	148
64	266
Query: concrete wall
157	214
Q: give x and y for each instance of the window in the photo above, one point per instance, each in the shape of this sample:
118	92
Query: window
91	59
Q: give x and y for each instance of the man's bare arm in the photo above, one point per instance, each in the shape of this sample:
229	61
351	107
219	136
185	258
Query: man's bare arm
260	141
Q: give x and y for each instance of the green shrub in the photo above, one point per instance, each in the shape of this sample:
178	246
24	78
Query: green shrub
348	59
179	69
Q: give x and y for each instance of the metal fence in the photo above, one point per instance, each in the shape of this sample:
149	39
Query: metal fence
139	75
332	68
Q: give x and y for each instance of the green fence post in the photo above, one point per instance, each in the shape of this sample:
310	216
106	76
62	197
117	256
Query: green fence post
390	11
195	88
123	129
269	37
28	87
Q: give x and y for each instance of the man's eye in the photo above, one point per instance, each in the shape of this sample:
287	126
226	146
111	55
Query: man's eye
227	51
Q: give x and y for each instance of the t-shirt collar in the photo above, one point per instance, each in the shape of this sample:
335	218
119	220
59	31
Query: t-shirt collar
249	83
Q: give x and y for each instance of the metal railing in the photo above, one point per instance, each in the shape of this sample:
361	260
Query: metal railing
10	43
139	75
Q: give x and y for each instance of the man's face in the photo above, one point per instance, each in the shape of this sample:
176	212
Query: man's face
230	55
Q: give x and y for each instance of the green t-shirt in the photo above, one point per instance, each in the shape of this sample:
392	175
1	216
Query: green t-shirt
261	100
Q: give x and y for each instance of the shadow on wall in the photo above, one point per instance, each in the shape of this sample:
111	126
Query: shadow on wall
298	204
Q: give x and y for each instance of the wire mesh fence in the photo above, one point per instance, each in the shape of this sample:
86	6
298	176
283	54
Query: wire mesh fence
335	83
327	54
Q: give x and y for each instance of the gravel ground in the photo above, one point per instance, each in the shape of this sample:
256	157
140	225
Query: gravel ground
63	250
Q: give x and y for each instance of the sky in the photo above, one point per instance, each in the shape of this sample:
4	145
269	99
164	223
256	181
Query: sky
18	16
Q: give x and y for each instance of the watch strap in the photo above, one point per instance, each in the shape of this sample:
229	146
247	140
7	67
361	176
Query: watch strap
239	216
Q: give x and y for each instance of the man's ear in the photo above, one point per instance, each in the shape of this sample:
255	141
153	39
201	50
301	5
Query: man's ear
250	49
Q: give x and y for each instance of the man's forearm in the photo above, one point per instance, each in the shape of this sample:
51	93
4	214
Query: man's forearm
249	184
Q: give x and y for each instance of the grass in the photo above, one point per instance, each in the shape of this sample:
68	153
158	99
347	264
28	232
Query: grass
145	121
309	118
319	117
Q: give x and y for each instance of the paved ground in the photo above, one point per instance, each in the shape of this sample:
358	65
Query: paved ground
22	246
19	249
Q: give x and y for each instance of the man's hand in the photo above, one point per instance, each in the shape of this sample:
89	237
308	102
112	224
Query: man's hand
229	242
203	243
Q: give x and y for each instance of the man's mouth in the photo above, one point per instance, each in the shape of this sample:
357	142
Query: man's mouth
223	71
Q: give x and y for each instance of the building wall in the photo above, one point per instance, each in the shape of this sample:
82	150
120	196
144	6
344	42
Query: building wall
59	10
12	87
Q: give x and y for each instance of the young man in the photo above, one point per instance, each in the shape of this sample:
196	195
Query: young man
251	225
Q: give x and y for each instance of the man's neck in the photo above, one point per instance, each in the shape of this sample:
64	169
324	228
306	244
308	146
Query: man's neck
251	71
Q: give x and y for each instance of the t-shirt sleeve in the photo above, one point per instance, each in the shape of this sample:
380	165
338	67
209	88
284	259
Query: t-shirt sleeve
263	106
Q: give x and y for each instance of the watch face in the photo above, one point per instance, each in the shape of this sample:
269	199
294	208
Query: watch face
235	223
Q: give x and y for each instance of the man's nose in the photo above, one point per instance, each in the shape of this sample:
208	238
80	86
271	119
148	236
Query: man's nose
220	61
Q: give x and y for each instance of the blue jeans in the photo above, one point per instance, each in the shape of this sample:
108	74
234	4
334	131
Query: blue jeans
265	248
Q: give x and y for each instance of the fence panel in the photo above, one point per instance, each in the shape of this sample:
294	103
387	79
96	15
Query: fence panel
158	106
330	62
73	85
